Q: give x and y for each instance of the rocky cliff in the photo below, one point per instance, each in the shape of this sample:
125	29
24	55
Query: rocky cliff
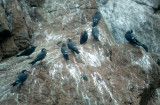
15	28
117	72
142	16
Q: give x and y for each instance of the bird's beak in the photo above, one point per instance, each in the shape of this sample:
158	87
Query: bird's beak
28	71
47	50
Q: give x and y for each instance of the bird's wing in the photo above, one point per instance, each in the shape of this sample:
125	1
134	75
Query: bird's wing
64	50
74	45
135	40
71	45
40	56
20	77
81	37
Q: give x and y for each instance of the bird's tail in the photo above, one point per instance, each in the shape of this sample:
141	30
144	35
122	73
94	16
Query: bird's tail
145	47
77	51
66	56
33	62
96	38
14	84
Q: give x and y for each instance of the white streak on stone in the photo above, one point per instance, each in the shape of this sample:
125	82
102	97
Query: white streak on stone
90	58
143	62
101	84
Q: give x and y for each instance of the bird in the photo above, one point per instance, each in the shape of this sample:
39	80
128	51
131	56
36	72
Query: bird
95	18
84	37
95	33
40	56
131	38
72	46
21	78
27	52
84	77
64	51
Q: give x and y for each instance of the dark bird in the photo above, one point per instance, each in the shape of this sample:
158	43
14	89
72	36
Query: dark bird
72	46
28	51
95	18
131	38
64	51
95	33
84	77
21	78
84	37
40	56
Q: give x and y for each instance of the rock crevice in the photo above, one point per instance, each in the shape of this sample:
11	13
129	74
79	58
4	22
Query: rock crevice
14	31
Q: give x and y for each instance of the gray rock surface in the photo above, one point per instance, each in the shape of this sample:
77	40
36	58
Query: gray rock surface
15	32
138	15
117	72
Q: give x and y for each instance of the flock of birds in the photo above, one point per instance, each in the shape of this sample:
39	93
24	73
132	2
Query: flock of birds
72	46
64	50
84	37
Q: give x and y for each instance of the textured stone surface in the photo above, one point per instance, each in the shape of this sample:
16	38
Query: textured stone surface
15	30
138	15
118	74
3	22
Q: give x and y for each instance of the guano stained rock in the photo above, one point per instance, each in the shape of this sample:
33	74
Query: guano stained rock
117	72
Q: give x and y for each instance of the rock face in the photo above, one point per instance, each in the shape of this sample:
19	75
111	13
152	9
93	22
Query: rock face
138	15
15	30
117	74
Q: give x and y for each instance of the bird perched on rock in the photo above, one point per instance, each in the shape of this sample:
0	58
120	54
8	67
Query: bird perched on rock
133	40
21	78
64	51
95	33
40	56
72	46
95	18
84	77
28	51
84	37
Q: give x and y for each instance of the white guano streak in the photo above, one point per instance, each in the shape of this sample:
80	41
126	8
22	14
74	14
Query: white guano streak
101	84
